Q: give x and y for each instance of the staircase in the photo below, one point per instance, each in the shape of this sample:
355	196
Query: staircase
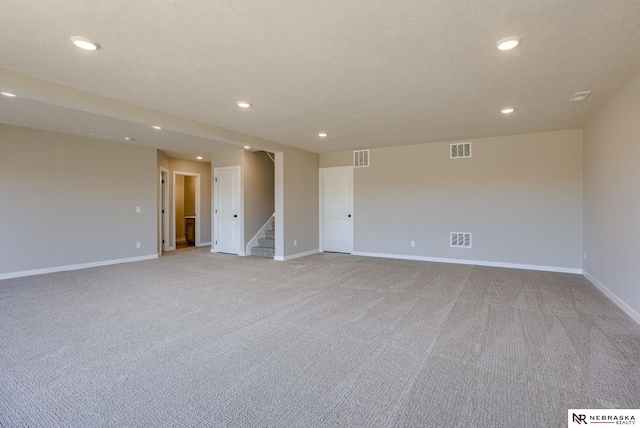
266	246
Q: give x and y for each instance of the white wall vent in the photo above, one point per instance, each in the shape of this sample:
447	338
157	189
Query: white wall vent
460	150
580	96
461	239
361	158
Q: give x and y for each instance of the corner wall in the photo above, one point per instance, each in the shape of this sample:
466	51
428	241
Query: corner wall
612	199
300	203
73	201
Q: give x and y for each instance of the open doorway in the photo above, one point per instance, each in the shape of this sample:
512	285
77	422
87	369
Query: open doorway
260	204
186	217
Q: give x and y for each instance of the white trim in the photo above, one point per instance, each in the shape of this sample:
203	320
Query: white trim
296	256
173	213
279	202
471	262
254	241
615	299
164	219
204	244
75	267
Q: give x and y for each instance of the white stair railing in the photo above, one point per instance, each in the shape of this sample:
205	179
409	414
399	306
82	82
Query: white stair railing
260	234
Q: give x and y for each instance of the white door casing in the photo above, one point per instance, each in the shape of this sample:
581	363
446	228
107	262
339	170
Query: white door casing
336	209
164	210
197	200
227	210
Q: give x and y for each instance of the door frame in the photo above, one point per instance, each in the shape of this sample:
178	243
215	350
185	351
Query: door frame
321	204
164	219
214	190
173	211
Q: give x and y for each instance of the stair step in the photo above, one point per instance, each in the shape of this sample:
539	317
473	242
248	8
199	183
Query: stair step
263	251
267	242
270	234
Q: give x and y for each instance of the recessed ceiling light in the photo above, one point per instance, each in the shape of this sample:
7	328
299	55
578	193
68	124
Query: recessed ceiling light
157	127
247	147
244	104
199	157
84	43
322	134
508	43
507	110
8	94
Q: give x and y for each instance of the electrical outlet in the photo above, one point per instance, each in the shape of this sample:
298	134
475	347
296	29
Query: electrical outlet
295	242
585	255
413	243
138	244
138	210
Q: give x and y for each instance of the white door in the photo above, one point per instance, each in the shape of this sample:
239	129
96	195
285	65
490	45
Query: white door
165	209
227	210
337	209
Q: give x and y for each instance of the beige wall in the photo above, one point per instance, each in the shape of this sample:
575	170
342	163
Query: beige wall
189	195
258	192
520	196
300	201
612	198
204	169
73	200
231	158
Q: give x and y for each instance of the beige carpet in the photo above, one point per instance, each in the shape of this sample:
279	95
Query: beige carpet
198	339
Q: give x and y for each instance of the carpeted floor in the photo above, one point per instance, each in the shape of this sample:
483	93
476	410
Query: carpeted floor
199	339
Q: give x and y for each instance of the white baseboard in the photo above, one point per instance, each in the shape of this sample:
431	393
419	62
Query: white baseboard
471	262
75	267
615	299
204	244
296	256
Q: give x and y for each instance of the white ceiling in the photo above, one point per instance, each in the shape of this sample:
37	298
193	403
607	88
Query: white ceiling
371	73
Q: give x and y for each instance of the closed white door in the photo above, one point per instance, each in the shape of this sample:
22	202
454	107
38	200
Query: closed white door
337	209
227	210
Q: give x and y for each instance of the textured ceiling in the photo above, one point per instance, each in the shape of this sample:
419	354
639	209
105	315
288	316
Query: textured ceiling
371	73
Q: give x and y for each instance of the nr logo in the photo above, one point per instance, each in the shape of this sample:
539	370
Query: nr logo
580	419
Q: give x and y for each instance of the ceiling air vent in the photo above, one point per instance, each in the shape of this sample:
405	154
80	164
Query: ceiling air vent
461	240
580	96
460	150
360	158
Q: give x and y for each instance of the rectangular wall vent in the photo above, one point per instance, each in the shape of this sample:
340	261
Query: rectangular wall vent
361	158
460	150
461	239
